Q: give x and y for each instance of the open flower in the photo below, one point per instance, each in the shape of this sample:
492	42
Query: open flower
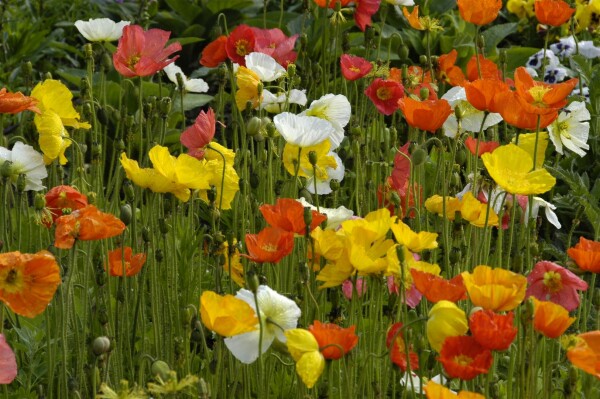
550	319
493	331
270	245
385	95
86	224
62	198
476	212
334	341
122	262
481	93
435	204
495	289
241	42
395	343
196	137
553	12
227	315
551	282
303	131
586	253
215	52
364	11
541	98
479	12
288	215
143	53
427	115
354	67
415	242
8	362
445	320
334	108
463	357
435	390
304	349
436	288
190	85
571	129
413	18
24	160
13	103
264	66
585	355
466	117
101	29
448	71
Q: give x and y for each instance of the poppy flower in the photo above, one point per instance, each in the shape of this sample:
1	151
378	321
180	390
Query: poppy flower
448	71
551	282
553	12
478	147
28	281
385	95
413	18
101	29
434	390
492	330
119	260
479	12
335	109
334	341
397	347
571	129
64	197
495	289
550	319
240	43
481	93
586	254
143	53
401	171
364	11
510	107
226	315
8	362
436	288
274	43
427	115
331	3
463	357
415	242
303	131
541	98
86	224
585	355
288	215
328	164
13	103
445	320
23	160
487	69
189	85
435	204
247	88
270	245
304	349
335	216
215	52
196	137
476	212
354	67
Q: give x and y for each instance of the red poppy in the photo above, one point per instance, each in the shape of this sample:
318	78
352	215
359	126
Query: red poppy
405	194
64	197
133	263
354	67
492	330
481	93
395	343
488	68
334	341
427	115
436	289
13	103
462	357
586	253
401	170
288	215
553	12
270	245
479	12
513	113
196	137
541	98
331	3
385	95
215	52
241	42
364	11
86	224
482	148
143	53
275	43
448	71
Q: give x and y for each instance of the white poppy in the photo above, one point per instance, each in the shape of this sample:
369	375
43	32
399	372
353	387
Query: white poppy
470	117
276	103
335	216
323	185
264	66
303	131
571	129
27	161
191	85
277	314
101	29
334	108
548	211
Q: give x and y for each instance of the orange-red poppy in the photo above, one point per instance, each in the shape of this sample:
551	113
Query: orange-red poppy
28	281
482	92
215	52
492	330
288	215
436	288
488	68
479	12
550	319
331	3
241	42
86	224
334	341
427	115
413	18
13	103
462	357
385	95
354	67
448	71
482	148
586	254
513	113
61	198
585	355
395	343
270	245
541	98
120	261
553	12
433	390
363	12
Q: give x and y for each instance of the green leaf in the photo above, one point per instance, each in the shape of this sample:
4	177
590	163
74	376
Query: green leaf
217	6
494	35
583	66
185	40
185	9
441	6
518	56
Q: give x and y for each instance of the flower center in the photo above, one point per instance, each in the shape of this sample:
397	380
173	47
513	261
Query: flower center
538	93
354	69
11	281
463	360
241	47
268	247
383	93
132	61
552	282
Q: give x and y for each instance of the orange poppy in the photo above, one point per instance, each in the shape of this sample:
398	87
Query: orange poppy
585	355
270	245
433	390
436	289
397	347
427	115
448	71
481	93
334	341
64	197
513	113
413	18
488	68
586	253
550	319
215	52
541	98
479	12
331	3
133	263
482	148
553	12
288	215
28	281
462	357
86	224
13	103
492	330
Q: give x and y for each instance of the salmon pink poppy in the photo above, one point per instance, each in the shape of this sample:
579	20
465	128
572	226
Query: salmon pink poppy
215	52
288	215
270	245
463	357
122	259
334	341
478	147
448	71
62	198
397	347
479	12
241	42
436	288
86	224
274	43
492	330
427	115
385	95
354	67
551	282
553	12
586	254
196	137
143	53
13	103
8	362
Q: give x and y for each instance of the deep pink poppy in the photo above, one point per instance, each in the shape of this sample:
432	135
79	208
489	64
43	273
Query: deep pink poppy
196	137
8	362
551	282
354	67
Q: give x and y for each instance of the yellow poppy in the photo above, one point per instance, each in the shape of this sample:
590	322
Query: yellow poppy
527	142
445	320
415	242
304	349
435	204
495	289
247	83
226	315
475	212
294	155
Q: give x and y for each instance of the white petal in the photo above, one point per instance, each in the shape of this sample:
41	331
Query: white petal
101	29
450	126
196	86
172	70
554	133
298	97
244	347
303	131
264	66
332	107
454	95
551	216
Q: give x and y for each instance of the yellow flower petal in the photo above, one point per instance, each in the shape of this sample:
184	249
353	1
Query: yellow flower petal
304	349
445	320
415	242
226	315
475	212
495	289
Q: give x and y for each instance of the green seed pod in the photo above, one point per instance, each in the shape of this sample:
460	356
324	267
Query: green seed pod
102	115
39	202
424	93
128	191
158	255
306	194
312	158
423	60
27	69
291	70
334	184
271	129
252	281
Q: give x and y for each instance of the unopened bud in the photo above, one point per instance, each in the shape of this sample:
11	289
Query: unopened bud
165	107
128	191
161	369
291	70
126	214
21	182
253	126
424	93
252	281
418	156
89	52
6	169
312	158
101	345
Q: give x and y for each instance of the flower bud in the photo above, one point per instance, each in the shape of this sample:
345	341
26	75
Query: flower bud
21	182
106	61
39	202
312	158
161	369
306	194
424	93
101	345
128	191
27	69
180	82
334	184
163	226
89	52
418	156
253	126
423	60
126	214
403	52
165	106
146	234
291	70
252	281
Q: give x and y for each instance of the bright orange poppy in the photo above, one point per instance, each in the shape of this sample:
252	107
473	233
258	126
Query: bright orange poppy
479	12
488	68
270	245
433	390
13	103
585	355
28	281
64	197
513	112
482	92
492	330
86	224
215	52
462	357
448	71
334	341
288	215
586	253
427	115
495	289
413	18
436	288
553	12
395	343
331	3
133	263
550	319
541	98
482	148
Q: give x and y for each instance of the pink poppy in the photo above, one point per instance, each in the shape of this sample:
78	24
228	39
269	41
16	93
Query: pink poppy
275	43
8	362
354	67
348	288
551	282
413	296
196	137
385	95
